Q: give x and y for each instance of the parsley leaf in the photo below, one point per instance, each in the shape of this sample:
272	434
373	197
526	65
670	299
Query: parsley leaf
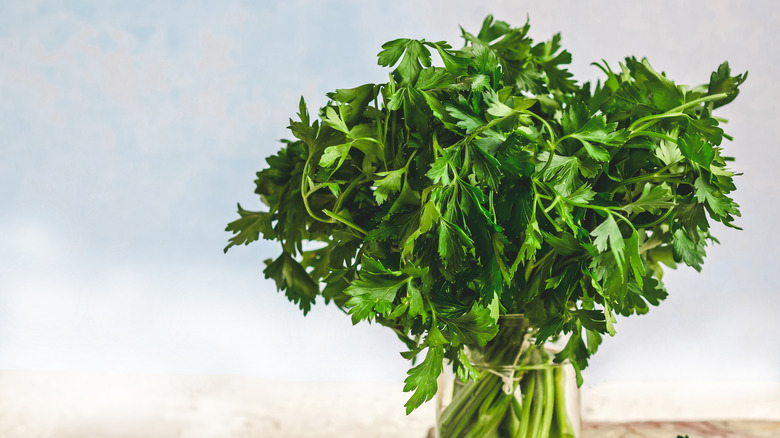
415	57
372	295
493	183
718	204
696	149
686	250
388	184
652	200
422	378
608	234
249	227
293	279
562	172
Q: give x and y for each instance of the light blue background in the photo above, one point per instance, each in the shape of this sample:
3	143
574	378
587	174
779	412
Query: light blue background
129	130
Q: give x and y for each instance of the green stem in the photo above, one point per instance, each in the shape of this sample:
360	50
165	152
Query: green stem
608	210
657	221
545	212
623	218
460	413
648	176
337	218
348	191
482	409
528	392
544	122
470	419
652	134
647	121
538	406
491	413
513	421
549	402
565	428
549	160
305	195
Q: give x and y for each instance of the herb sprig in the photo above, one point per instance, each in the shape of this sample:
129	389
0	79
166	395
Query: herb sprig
495	184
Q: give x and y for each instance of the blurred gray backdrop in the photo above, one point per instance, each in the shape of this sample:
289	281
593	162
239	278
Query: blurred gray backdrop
129	131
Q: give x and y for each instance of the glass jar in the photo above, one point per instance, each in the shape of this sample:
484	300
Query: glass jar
521	392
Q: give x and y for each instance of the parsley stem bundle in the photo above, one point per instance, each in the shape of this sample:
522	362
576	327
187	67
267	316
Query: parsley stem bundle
494	184
519	392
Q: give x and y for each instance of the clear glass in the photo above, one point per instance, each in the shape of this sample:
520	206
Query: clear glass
521	393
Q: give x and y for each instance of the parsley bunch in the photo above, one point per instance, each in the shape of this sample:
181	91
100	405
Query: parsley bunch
494	184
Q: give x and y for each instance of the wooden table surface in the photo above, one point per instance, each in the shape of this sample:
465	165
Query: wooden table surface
36	404
693	429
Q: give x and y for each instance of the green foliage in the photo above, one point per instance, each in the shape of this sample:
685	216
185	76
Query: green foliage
494	184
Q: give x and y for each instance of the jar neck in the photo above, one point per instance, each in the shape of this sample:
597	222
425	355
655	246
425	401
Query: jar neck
512	319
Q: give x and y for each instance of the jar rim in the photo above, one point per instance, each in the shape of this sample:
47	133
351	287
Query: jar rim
512	319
